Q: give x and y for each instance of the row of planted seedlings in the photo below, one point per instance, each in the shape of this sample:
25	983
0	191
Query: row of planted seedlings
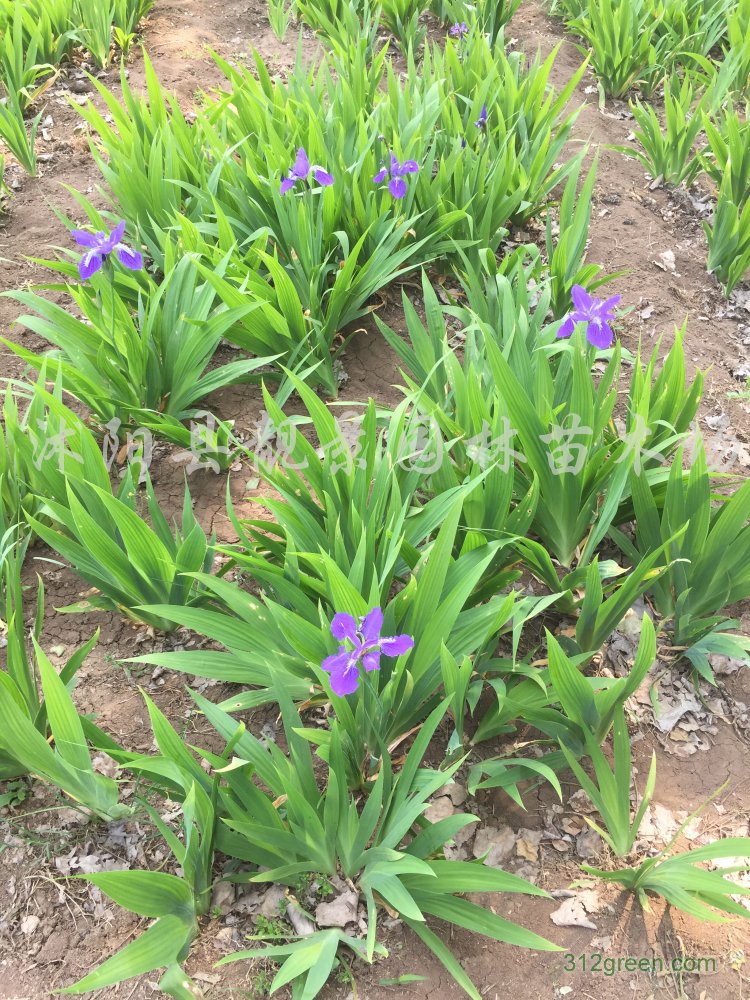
37	37
387	583
406	21
696	55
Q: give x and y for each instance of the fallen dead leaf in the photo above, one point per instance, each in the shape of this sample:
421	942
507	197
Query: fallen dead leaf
572	913
495	842
573	825
560	845
440	808
298	918
588	844
667	263
212	978
339	912
527	849
673	706
29	924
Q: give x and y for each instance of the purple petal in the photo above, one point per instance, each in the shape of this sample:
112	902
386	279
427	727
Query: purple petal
409	167
84	239
371	626
322	177
380	176
337	661
344	672
395	645
397	187
301	167
89	264
287	184
345	683
581	298
566	330
599	334
114	237
395	165
344	626
608	304
371	660
129	258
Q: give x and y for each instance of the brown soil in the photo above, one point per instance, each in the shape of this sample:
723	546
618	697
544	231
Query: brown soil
631	226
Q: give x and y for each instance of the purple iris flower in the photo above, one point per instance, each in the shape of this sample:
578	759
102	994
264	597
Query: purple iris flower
597	314
458	30
397	184
100	245
300	171
481	121
368	644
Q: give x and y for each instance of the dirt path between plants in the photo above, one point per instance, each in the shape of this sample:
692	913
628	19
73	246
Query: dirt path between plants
51	930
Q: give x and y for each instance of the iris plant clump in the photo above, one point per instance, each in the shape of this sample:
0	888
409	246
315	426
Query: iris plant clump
597	314
100	245
367	645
